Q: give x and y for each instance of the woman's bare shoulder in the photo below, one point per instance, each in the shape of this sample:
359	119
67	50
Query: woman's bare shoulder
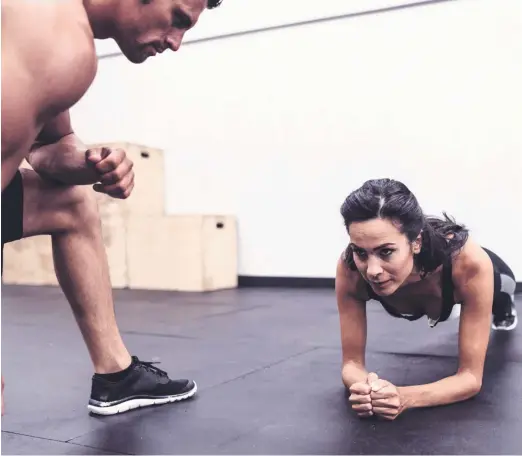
350	282
471	261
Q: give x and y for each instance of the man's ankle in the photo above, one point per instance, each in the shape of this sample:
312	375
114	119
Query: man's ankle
113	365
115	377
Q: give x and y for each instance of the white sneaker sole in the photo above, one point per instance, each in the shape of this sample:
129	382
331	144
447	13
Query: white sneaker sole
507	328
139	403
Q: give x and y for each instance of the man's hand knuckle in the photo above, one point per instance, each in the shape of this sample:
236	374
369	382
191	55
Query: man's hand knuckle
118	175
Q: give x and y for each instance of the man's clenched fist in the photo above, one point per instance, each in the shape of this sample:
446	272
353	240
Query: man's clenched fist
116	177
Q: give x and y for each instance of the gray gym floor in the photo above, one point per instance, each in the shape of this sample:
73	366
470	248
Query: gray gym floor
267	363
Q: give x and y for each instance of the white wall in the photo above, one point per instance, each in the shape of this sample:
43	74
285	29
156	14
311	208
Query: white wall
278	127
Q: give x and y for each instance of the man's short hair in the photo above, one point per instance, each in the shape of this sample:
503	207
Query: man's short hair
213	3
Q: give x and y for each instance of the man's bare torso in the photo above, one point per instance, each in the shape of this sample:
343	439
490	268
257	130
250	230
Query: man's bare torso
48	63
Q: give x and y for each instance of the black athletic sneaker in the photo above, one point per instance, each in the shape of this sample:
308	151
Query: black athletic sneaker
143	386
506	322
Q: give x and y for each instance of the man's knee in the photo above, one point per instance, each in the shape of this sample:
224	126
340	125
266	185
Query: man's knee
79	208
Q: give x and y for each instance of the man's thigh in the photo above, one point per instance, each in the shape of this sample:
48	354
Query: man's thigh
39	206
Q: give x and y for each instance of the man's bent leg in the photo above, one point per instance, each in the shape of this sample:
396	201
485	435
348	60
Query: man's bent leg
70	215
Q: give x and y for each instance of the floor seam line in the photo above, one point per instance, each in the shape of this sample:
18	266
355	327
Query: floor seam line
268	366
61	441
34	436
101	450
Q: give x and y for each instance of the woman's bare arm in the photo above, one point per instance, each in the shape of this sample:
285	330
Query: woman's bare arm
352	316
473	278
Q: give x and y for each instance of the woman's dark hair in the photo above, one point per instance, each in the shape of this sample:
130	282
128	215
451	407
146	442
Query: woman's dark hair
392	200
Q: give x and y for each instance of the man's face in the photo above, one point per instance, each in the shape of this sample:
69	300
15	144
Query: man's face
145	28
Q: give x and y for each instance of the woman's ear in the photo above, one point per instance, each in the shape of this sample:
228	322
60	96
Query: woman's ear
417	244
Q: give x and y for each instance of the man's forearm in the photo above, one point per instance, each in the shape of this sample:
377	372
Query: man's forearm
63	161
458	387
353	373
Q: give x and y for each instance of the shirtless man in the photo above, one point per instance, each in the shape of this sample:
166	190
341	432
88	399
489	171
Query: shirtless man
48	63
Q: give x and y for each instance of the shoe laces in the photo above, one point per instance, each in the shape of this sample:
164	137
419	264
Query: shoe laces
148	365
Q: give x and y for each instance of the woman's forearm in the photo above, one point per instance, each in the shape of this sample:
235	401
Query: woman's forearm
353	373
456	388
63	161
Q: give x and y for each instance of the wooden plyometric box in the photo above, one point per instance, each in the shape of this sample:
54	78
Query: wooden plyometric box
148	195
182	253
179	253
145	248
29	262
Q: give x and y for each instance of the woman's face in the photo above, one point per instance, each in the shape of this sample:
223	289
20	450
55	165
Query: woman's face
382	254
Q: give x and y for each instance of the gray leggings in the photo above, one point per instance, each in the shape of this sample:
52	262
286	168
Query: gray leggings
505	284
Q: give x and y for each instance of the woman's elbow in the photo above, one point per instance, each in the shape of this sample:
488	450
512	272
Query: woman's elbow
475	387
474	384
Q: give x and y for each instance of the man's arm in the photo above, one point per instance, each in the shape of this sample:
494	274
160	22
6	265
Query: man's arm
473	276
352	315
55	130
58	154
49	61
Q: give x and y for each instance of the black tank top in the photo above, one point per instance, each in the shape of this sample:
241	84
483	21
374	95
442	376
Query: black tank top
447	299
